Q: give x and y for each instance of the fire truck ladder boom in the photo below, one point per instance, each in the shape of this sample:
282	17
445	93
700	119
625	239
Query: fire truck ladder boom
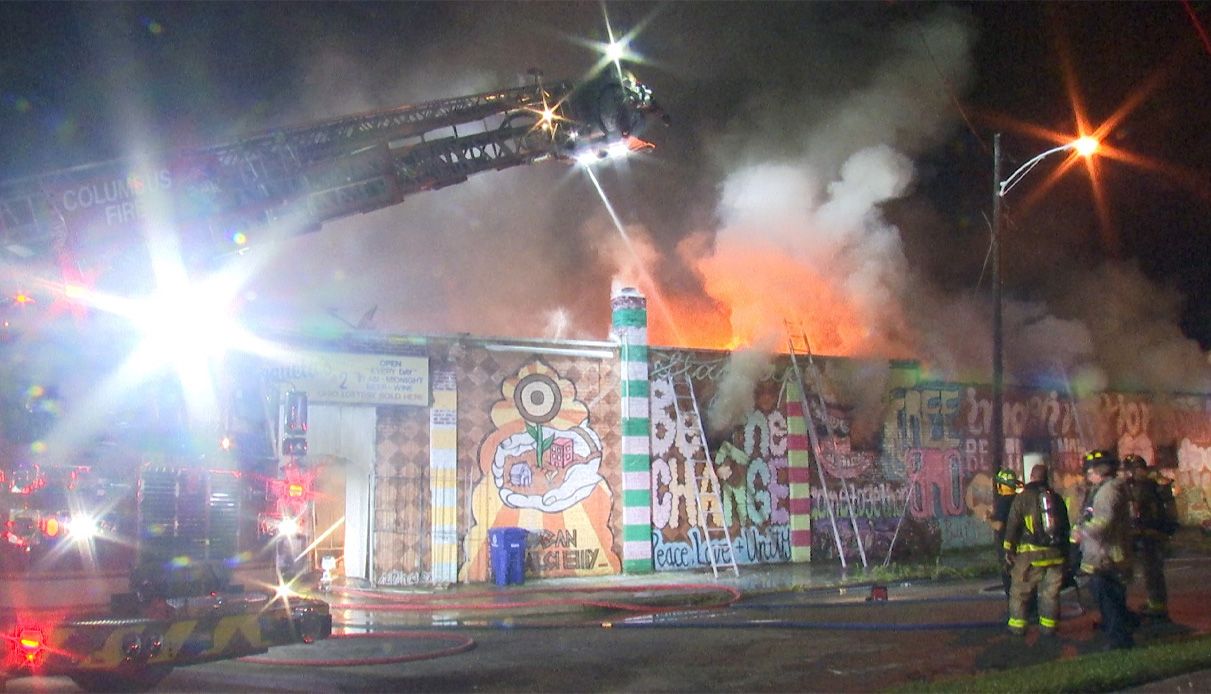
288	181
689	416
346	134
800	345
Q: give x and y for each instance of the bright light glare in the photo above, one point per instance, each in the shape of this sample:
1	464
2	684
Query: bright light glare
289	527
82	527
615	50
617	150
283	591
1086	146
183	325
586	158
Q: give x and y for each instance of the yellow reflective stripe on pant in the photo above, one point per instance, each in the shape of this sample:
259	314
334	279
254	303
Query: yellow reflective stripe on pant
1029	580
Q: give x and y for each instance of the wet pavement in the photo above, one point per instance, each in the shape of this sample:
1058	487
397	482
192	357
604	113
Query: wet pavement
967	615
771	628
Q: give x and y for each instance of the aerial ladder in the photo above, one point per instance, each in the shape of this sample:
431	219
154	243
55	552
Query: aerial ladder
211	203
292	180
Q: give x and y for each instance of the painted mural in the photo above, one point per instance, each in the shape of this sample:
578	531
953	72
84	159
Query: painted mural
936	439
864	506
923	487
541	469
750	463
530	436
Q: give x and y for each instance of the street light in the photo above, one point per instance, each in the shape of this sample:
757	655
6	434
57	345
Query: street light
1085	146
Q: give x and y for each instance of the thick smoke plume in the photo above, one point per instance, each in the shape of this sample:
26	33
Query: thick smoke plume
735	396
789	188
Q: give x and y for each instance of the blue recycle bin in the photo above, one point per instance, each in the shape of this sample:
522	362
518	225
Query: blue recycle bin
507	552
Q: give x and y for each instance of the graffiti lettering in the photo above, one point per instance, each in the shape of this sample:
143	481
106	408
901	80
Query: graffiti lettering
398	577
759	503
669	492
756	434
1188	417
770	545
936	477
556	538
678	365
979	413
677	554
927	417
562	559
663	428
964	531
752	546
874	501
662	502
975	452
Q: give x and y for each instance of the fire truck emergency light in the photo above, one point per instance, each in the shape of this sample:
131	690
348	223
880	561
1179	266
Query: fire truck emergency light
30	643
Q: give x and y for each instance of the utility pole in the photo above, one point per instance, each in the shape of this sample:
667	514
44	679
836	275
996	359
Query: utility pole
998	345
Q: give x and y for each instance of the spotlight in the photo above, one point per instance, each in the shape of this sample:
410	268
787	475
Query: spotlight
615	50
82	528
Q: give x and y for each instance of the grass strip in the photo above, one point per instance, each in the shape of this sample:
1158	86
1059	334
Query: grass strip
1097	672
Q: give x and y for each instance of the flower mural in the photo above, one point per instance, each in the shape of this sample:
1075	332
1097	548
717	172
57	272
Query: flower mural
542	472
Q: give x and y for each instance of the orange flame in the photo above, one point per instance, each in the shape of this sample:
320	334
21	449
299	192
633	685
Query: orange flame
754	295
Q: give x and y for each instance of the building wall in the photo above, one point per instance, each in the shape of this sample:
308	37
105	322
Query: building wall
402	500
530	435
750	461
538	441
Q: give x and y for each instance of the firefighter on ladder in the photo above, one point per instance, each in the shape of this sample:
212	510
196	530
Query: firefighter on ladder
1036	547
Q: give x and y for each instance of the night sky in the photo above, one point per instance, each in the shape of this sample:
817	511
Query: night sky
827	159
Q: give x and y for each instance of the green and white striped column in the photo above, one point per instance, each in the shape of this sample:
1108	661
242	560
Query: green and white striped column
629	326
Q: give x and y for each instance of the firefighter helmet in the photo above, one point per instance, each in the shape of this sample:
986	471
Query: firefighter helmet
1101	458
1006	481
1132	461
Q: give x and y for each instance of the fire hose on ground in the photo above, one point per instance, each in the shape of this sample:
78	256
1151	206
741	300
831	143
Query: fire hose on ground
643	615
460	643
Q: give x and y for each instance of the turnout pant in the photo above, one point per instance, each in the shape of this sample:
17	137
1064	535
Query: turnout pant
1111	595
1027	579
1151	555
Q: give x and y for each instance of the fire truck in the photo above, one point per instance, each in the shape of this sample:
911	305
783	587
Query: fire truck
150	474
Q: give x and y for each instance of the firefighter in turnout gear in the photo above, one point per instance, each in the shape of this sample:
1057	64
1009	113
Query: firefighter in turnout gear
1006	485
1036	547
1106	538
1154	517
